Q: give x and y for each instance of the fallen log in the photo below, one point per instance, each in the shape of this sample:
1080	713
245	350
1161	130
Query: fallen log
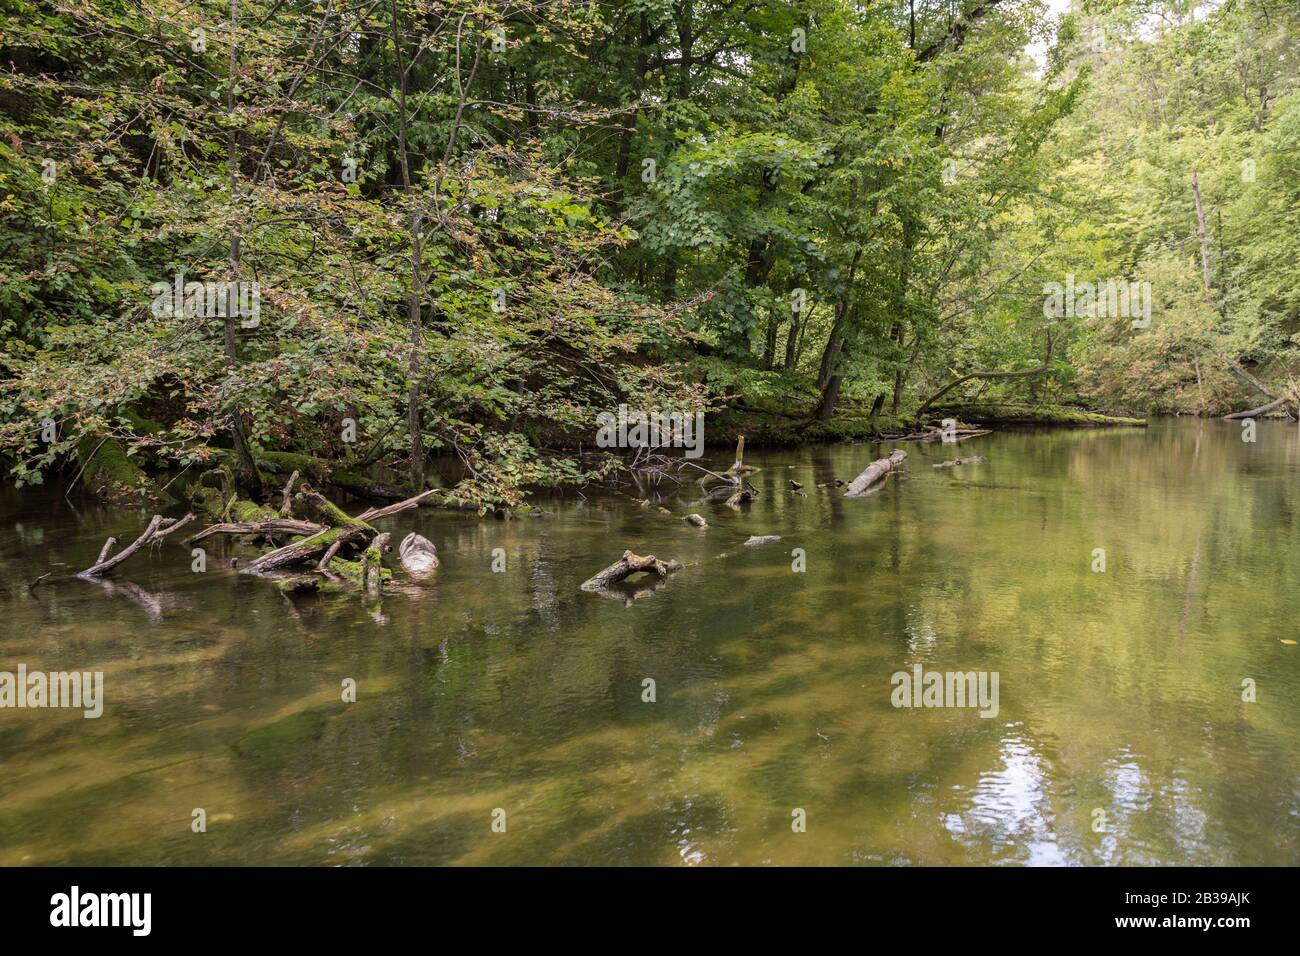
875	473
372	514
1253	412
307	550
273	526
418	555
938	434
627	566
1014	413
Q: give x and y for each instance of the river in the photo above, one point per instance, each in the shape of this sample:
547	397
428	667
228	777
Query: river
511	697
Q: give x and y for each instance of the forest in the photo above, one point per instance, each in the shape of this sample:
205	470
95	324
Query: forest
359	238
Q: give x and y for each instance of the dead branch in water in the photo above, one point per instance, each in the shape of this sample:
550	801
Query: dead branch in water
1253	412
874	474
270	527
157	528
628	565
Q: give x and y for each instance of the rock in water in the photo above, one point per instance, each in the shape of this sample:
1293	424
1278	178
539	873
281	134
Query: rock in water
419	556
762	539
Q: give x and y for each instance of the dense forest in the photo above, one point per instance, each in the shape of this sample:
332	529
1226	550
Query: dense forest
359	237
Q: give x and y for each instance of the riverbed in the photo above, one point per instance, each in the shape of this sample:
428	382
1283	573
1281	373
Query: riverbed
1147	713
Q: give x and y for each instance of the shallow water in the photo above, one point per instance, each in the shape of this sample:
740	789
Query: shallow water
1119	691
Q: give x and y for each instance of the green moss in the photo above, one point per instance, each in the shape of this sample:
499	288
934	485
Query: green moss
109	474
310	584
320	471
354	571
1009	413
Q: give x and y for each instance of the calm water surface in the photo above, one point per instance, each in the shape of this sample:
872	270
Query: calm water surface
1119	691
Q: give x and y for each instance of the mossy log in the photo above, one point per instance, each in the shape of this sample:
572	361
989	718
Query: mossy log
109	474
274	526
305	550
372	566
1011	413
331	473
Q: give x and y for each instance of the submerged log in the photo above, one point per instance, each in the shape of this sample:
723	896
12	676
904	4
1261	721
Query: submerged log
418	555
972	460
755	539
874	474
627	566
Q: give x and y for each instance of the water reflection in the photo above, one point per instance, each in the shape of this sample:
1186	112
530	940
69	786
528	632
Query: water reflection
483	689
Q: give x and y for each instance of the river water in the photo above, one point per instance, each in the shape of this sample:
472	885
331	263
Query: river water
513	697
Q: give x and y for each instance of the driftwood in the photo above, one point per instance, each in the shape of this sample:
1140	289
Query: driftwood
738	466
742	496
874	474
972	460
372	514
732	481
307	550
273	526
159	527
1252	412
418	555
937	434
372	570
286	500
628	565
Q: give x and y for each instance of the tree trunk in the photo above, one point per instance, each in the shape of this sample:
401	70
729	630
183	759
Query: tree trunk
1201	233
247	466
792	342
